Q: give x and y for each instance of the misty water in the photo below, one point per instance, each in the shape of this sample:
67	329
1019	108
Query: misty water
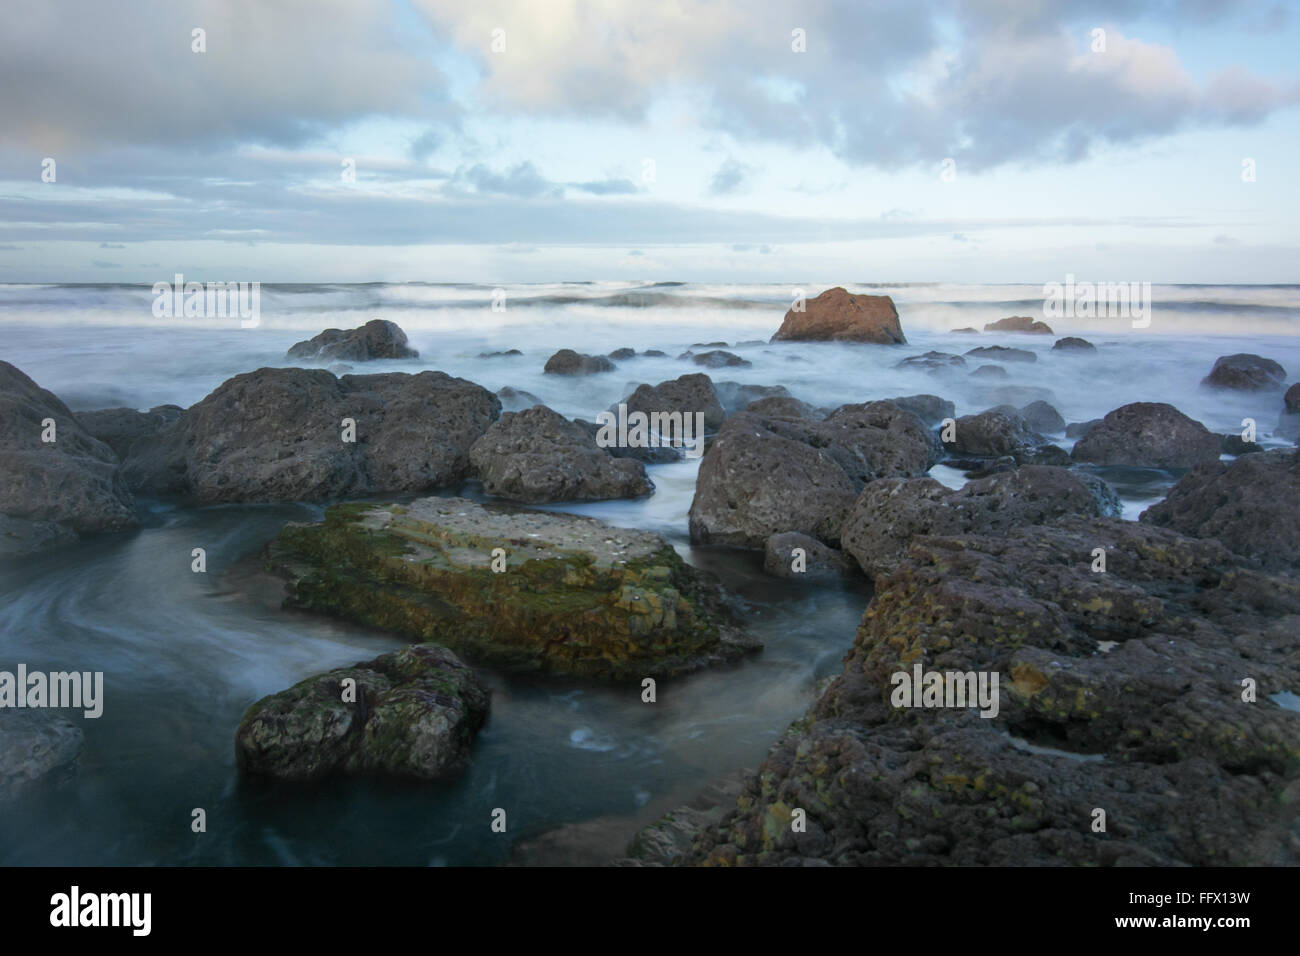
185	654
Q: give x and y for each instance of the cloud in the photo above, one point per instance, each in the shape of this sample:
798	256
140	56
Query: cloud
523	181
606	187
729	177
111	245
7	247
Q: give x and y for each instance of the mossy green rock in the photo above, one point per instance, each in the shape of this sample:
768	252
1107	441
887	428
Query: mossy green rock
576	596
412	713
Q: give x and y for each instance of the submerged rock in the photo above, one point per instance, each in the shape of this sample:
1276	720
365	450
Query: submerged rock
538	455
1148	435
818	564
37	748
1245	372
577	596
53	490
1002	353
1252	505
120	428
412	713
1019	323
990	371
377	339
932	362
623	353
720	359
1118	690
736	397
569	362
277	434
516	399
1073	344
839	316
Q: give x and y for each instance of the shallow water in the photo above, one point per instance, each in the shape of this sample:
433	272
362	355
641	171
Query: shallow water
184	654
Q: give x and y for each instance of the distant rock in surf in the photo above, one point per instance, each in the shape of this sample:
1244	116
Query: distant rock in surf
1019	323
1245	372
839	316
377	339
569	362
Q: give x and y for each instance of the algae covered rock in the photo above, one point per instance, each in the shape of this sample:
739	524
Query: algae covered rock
412	713
525	591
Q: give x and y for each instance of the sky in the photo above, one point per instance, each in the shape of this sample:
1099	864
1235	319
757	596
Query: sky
509	141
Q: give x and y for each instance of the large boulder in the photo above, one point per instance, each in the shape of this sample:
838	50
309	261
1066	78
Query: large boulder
279	435
1252	505
754	483
523	591
569	362
1288	423
538	455
994	434
781	406
1019	323
839	316
377	339
930	409
1147	435
50	491
412	713
686	394
891	512
1120	690
1245	372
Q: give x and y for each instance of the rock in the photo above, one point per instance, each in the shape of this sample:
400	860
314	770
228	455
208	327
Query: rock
569	362
37	748
686	394
930	409
1001	353
1291	399
967	330
1245	372
990	371
821	565
1288	427
277	435
838	316
720	359
1043	418
648	455
1079	429
516	399
416	713
577	597
1117	690
538	456
119	428
754	483
713	345
1020	395
506	354
377	339
1147	435
763	476
668	839
1072	344
623	353
654	353
1250	505
779	406
736	397
993	434
891	512
1234	444
1019	323
932	362
73	482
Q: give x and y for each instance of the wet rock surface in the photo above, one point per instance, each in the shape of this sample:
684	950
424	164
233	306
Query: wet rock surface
1120	691
569	362
1147	434
686	395
37	749
577	596
1245	372
1019	323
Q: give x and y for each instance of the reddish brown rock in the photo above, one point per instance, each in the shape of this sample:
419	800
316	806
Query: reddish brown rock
839	316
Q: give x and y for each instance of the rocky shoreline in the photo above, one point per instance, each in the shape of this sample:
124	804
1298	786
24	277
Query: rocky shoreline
1146	667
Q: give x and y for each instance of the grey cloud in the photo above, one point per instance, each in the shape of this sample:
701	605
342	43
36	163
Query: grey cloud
606	187
729	177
